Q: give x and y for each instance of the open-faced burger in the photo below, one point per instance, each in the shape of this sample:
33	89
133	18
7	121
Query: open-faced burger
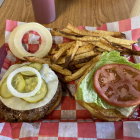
28	92
111	90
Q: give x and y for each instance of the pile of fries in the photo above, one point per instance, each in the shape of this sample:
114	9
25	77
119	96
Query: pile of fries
75	58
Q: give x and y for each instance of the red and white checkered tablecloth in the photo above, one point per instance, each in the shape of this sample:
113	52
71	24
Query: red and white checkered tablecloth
70	121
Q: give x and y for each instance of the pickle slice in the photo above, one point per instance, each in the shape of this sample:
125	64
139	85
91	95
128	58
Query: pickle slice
18	82
28	73
39	95
4	92
37	66
31	83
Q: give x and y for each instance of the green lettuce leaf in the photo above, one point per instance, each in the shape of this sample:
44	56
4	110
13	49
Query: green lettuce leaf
85	91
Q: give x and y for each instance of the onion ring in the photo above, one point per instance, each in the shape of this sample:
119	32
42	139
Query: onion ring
23	94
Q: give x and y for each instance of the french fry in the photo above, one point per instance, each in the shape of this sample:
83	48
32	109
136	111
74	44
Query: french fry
53	51
80	65
65	44
67	31
123	42
71	52
77	74
81	71
61	60
85	55
38	60
100	49
73	60
84	38
84	60
93	33
62	50
103	46
61	70
85	48
55	67
93	62
130	52
78	44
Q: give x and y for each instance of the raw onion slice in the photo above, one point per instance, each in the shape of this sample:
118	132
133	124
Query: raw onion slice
23	94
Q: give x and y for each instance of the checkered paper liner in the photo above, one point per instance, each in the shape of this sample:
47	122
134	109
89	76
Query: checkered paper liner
70	121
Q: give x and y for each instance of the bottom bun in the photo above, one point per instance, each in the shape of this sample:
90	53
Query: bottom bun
10	115
101	113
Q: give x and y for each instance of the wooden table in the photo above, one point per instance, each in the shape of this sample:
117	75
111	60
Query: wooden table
77	12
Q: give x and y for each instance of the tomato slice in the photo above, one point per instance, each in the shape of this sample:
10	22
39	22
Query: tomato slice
118	84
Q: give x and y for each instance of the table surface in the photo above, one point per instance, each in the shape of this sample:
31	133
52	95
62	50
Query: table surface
77	12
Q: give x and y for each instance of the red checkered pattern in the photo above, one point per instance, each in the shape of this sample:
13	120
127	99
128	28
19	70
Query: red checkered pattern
70	121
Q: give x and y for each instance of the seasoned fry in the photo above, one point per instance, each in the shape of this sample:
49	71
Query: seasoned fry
60	69
93	33
100	49
84	60
77	74
123	42
71	53
73	60
53	51
84	38
78	44
38	60
85	55
67	31
61	60
104	46
94	60
81	71
55	67
80	65
130	52
61	51
65	44
85	48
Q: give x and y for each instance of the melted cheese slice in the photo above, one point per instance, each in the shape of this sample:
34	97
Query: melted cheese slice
19	104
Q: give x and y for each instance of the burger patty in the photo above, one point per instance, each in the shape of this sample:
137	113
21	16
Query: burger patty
10	115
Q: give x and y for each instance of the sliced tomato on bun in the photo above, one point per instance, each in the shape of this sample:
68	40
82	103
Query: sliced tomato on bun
118	84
